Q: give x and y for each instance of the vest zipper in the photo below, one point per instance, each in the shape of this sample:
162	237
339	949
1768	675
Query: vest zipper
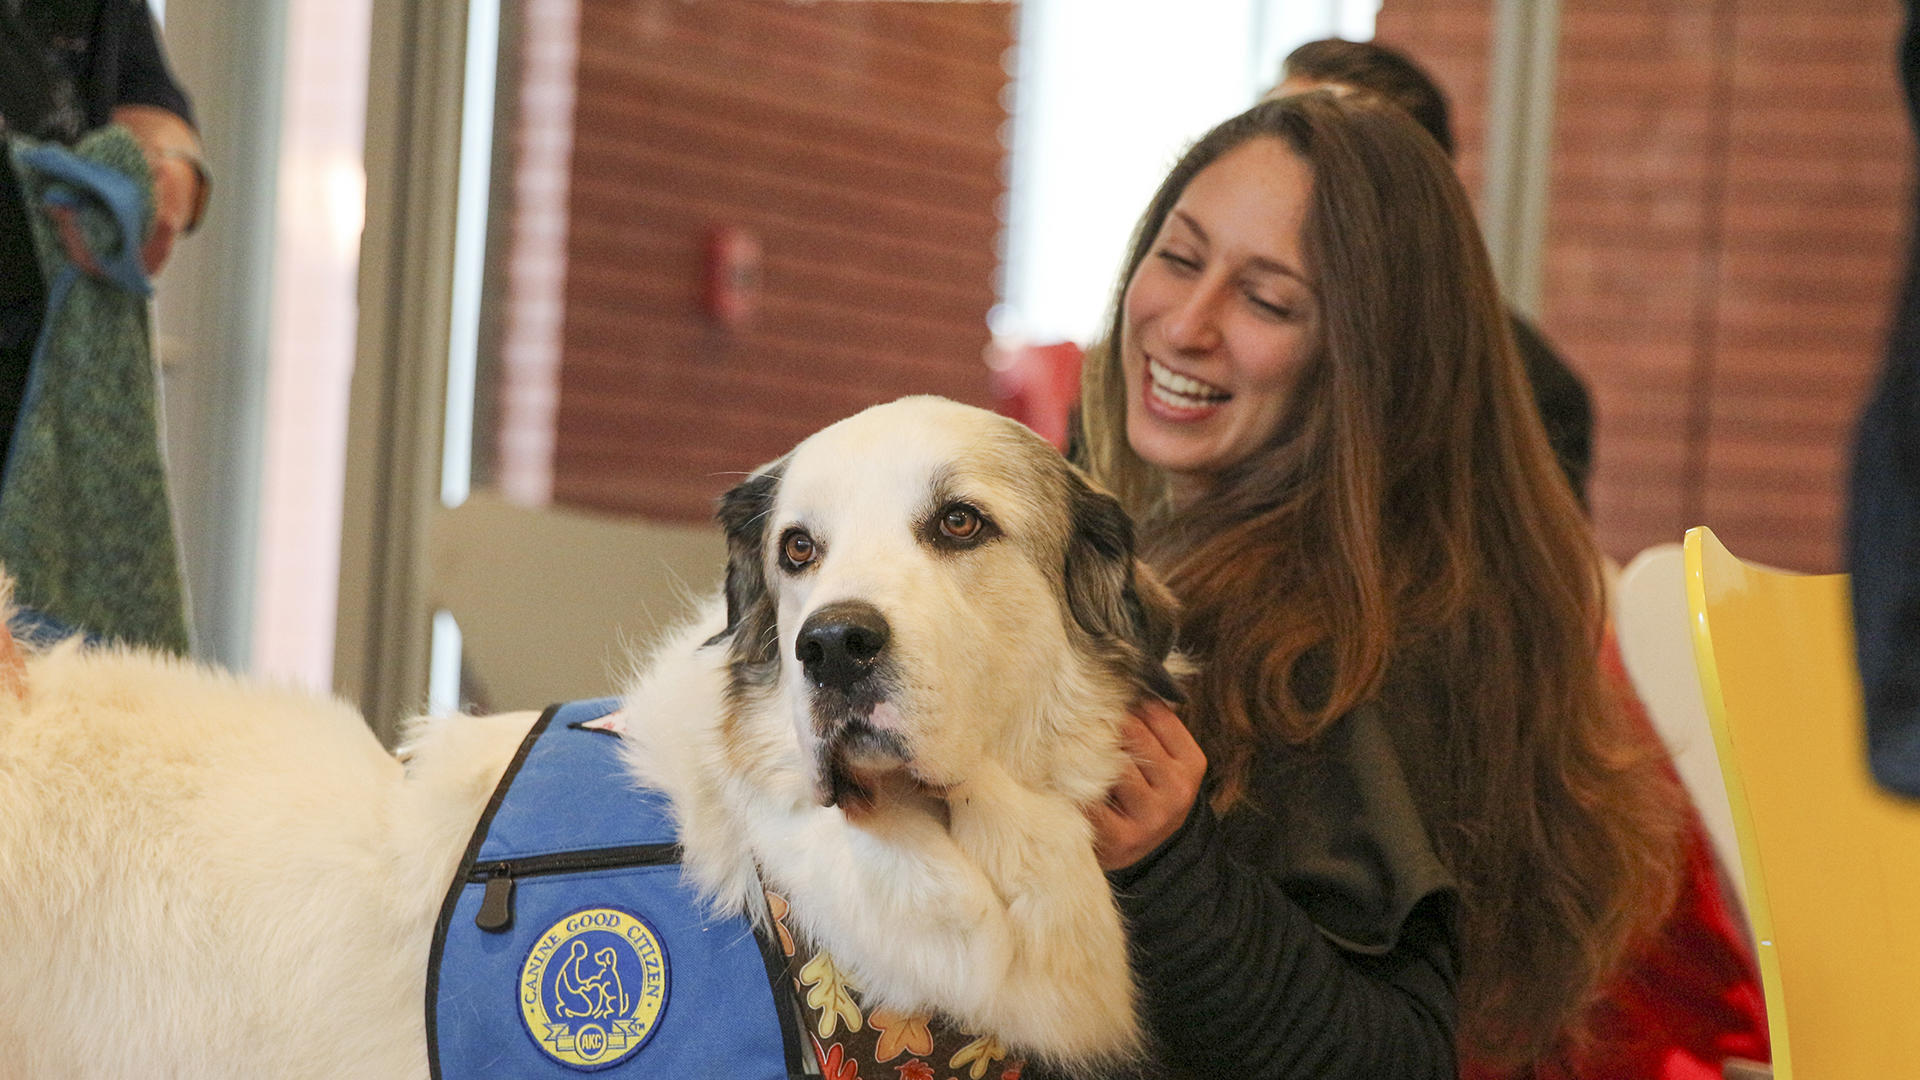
496	903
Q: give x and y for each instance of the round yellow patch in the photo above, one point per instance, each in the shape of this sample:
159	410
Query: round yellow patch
594	987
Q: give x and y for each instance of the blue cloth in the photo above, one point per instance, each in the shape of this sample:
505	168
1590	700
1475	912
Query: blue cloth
598	956
39	629
86	525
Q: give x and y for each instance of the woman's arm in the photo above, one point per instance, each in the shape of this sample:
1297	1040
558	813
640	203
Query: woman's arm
1236	980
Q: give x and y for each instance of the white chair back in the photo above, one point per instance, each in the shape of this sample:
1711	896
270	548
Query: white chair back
1656	644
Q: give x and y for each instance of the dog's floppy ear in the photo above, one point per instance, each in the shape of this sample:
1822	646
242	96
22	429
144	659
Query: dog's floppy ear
1112	595
742	515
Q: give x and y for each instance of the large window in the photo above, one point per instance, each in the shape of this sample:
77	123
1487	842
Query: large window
1108	93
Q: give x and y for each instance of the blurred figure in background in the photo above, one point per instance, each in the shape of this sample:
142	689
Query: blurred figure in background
66	68
1883	541
102	173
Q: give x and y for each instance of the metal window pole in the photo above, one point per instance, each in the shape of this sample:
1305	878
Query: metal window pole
1520	100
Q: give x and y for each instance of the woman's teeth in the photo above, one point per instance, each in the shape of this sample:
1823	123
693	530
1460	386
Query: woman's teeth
1181	392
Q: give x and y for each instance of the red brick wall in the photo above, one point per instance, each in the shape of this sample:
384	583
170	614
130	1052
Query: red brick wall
859	143
518	384
1818	170
1727	207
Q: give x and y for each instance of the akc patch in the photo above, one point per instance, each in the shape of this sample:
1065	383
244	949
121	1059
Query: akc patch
594	987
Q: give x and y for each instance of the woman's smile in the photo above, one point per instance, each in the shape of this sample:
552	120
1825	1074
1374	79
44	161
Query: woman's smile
1177	398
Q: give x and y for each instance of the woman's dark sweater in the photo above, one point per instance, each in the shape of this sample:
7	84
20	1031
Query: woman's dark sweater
1309	932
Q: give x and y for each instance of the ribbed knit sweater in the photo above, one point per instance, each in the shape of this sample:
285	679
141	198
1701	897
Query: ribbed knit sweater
1309	932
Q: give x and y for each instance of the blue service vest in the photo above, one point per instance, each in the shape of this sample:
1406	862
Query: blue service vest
569	943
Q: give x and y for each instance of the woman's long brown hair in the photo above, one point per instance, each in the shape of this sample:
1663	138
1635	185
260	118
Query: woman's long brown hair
1407	537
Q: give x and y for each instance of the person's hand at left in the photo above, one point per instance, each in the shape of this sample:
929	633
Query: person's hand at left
1154	793
172	148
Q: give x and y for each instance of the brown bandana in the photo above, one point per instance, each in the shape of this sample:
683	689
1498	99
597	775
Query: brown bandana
853	1043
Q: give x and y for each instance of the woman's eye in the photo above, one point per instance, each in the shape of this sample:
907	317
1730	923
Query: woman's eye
1278	311
797	549
960	522
1176	259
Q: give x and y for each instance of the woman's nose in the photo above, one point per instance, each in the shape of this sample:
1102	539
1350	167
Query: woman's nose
1194	323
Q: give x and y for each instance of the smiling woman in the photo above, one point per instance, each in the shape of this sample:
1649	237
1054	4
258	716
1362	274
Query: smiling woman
1403	813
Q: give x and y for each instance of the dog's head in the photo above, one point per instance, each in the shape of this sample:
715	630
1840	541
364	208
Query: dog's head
926	584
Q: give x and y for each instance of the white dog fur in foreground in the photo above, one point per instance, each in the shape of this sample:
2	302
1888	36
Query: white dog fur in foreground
204	877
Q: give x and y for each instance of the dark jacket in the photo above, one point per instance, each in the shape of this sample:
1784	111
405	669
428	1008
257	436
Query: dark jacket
1566	410
1883	523
65	65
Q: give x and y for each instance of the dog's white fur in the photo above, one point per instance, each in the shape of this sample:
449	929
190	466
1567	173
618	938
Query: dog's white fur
201	877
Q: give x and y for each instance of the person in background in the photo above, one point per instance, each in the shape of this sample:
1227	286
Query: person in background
1565	406
1883	521
67	67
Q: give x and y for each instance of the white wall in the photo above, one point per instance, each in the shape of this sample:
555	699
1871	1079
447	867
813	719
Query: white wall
256	323
322	184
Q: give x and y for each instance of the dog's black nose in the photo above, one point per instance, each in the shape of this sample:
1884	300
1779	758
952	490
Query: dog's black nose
839	643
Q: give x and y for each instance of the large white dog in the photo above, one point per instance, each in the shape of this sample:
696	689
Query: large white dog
894	718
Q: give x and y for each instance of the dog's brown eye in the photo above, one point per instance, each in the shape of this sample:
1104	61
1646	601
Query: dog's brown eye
796	549
960	522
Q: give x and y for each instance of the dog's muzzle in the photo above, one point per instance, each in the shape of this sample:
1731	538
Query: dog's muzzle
840	644
842	649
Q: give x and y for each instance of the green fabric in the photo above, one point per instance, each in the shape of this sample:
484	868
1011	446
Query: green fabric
86	528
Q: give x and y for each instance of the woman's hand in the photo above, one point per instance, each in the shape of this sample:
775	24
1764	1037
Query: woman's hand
1155	791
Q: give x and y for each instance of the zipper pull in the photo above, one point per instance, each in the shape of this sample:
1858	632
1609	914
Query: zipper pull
496	904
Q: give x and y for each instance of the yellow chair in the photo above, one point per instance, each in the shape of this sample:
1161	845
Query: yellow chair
1656	647
1832	862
